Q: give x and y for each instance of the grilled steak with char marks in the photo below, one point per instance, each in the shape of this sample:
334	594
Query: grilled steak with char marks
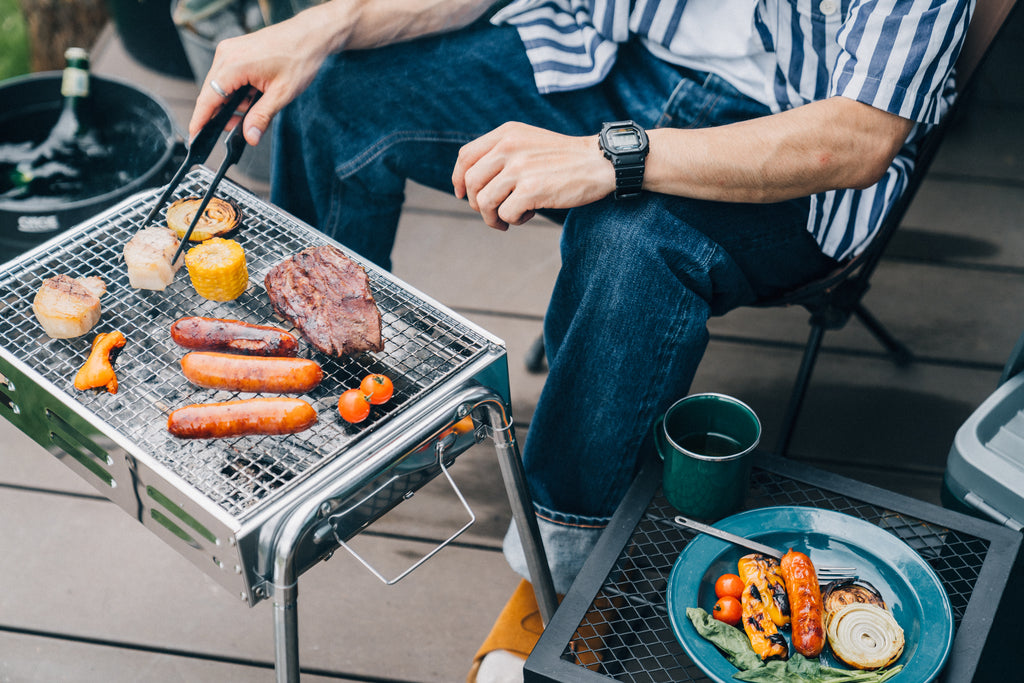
327	297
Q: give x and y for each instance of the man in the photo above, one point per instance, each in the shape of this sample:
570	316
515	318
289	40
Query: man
757	143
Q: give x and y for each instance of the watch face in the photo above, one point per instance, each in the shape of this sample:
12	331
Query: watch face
624	139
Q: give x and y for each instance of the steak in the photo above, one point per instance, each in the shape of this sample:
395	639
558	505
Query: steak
327	297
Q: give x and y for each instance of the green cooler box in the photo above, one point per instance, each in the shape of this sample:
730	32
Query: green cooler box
985	467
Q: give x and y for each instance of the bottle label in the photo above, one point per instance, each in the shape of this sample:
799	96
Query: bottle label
75	83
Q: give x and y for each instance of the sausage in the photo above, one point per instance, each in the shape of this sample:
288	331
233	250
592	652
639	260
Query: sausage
757	620
274	415
805	602
231	372
219	334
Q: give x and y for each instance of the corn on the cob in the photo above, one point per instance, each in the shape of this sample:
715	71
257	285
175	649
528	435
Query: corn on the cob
217	269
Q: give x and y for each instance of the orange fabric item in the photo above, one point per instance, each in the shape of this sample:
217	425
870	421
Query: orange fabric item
519	627
516	630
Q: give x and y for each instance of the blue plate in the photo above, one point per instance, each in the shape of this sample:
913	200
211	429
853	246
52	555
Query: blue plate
909	586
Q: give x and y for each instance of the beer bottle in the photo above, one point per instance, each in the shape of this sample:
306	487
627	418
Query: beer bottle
55	165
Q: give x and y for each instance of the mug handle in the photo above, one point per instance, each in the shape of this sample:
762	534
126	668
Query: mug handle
658	441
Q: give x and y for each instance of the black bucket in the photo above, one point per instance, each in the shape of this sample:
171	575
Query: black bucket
31	106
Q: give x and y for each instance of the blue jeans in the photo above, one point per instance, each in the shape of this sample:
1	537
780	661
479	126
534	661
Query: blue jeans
626	325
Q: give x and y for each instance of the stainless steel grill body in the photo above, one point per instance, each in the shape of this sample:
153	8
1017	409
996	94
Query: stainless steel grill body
252	512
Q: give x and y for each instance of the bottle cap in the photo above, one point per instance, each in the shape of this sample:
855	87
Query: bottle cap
76	53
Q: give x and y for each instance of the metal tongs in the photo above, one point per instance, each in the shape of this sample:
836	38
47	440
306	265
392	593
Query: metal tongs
199	150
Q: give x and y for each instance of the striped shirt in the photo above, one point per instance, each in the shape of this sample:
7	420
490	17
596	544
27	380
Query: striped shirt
895	55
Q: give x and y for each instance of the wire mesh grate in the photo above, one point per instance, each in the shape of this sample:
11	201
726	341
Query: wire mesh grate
626	634
424	346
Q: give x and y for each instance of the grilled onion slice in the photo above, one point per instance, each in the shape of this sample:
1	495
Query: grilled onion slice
864	636
849	591
220	216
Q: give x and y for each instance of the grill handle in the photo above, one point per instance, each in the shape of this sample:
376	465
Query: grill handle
439	448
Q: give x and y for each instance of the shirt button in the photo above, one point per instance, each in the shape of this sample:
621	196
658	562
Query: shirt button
828	7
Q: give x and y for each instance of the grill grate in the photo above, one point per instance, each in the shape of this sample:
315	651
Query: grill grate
627	627
424	346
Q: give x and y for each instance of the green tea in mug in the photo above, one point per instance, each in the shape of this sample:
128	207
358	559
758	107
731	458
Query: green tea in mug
711	444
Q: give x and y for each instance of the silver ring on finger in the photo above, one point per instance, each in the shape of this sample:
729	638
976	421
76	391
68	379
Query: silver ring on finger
217	89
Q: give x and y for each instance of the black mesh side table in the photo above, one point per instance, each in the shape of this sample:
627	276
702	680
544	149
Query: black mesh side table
613	625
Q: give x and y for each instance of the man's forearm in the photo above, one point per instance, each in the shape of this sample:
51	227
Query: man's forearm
836	143
361	24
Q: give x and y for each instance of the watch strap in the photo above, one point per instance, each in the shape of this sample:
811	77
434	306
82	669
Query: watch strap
629	178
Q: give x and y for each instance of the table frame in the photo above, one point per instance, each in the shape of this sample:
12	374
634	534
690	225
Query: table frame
984	628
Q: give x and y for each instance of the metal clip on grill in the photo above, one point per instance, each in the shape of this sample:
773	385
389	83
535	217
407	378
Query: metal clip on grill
254	512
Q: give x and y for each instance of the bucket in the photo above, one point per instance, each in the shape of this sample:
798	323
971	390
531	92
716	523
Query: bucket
135	121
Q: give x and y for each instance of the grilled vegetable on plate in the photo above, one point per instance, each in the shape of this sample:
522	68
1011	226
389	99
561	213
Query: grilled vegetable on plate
910	585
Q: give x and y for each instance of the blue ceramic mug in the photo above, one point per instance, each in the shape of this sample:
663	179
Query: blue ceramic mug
706	441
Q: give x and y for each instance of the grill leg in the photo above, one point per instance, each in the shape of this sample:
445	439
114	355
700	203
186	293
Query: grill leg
514	476
286	633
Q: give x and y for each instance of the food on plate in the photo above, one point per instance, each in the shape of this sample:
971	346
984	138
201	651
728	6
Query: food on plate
732	643
353	406
219	334
219	217
98	370
848	591
255	374
327	297
805	604
728	584
378	388
758	624
765	572
68	307
271	416
728	610
148	257
864	636
217	269
735	647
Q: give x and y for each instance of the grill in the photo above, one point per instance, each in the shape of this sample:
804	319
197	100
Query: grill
253	512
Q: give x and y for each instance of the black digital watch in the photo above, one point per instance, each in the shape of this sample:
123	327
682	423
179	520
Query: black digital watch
624	143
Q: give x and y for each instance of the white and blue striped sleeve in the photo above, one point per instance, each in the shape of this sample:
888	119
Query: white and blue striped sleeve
570	43
898	55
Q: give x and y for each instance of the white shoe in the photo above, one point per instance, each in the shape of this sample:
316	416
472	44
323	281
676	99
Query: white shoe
500	666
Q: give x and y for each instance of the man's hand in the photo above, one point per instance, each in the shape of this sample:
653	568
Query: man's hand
280	61
516	169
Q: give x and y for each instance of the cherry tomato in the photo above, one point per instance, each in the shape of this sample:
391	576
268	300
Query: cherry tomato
728	610
729	584
378	388
354	406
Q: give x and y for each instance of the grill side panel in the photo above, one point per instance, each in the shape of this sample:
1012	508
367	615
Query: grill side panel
149	495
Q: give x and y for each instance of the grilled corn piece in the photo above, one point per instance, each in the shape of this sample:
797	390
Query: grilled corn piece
217	269
766	573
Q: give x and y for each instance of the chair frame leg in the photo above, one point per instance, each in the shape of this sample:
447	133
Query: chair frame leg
803	379
901	355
